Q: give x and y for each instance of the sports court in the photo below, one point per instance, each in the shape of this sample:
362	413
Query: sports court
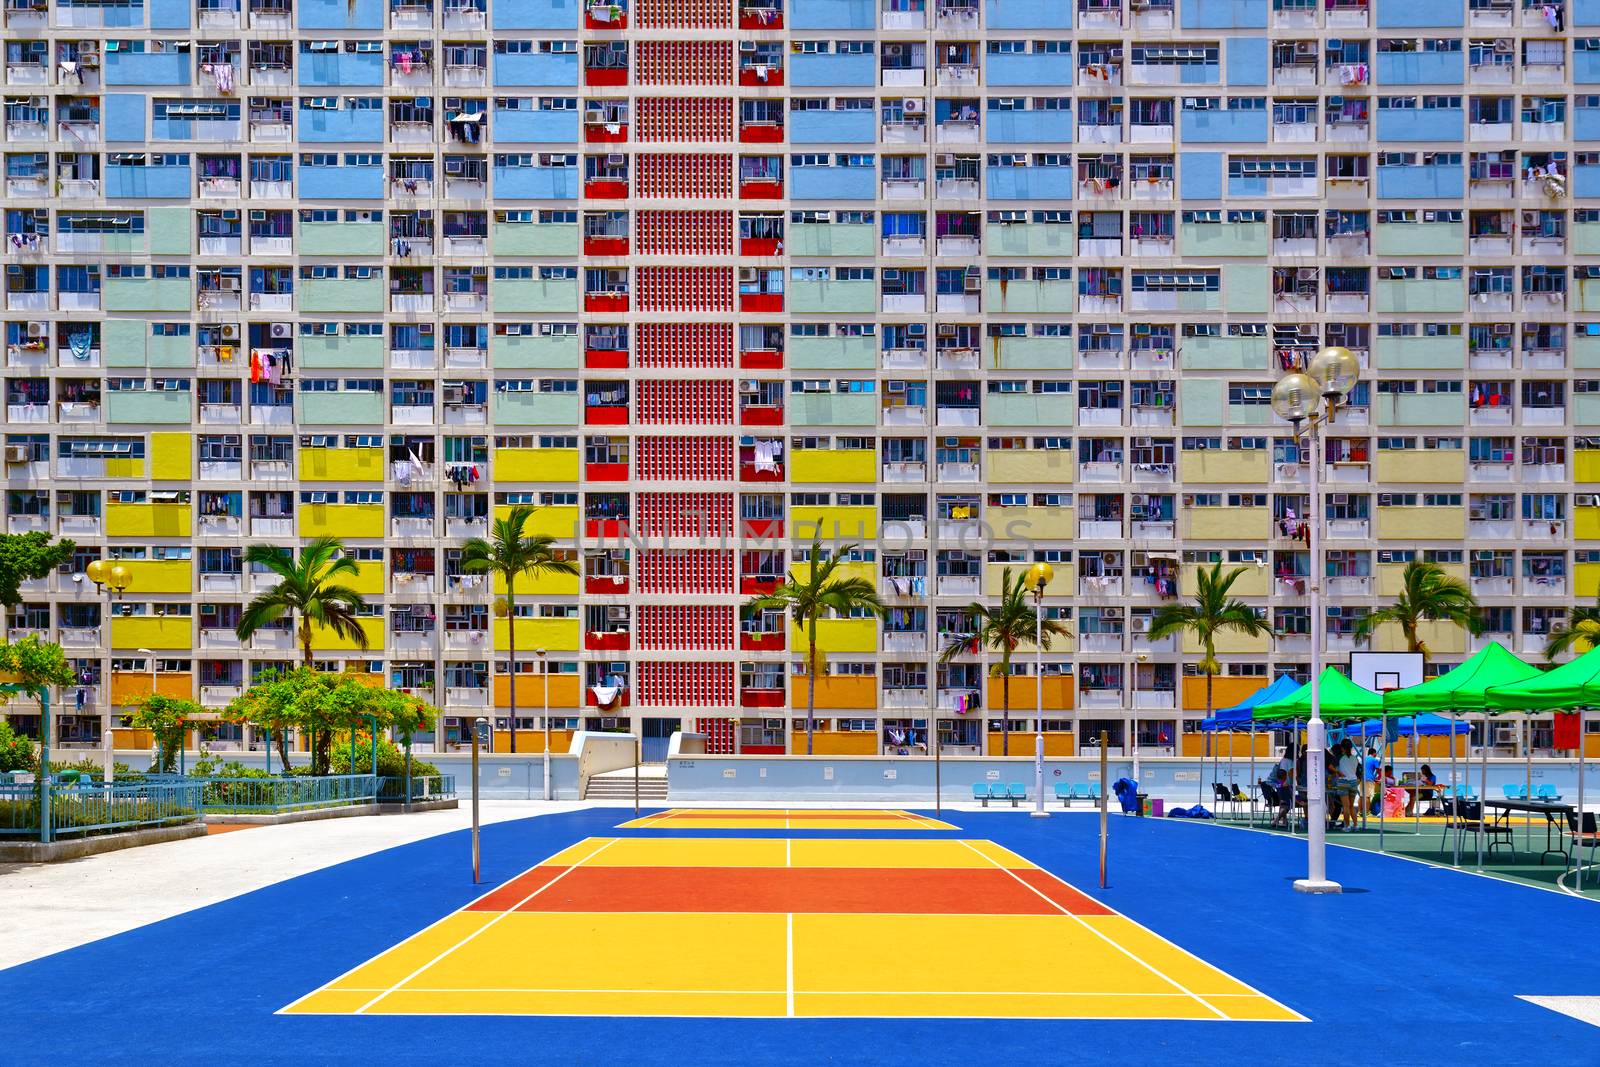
790	927
784	819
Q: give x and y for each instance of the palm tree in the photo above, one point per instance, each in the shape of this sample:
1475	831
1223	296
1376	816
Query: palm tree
1213	612
307	587
1427	594
510	553
1581	633
1002	628
807	600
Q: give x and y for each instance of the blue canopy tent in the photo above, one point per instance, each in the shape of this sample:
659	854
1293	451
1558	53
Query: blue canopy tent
1239	717
1428	725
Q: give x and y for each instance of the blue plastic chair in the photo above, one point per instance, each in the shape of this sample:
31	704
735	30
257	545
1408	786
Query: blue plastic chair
1016	791
1064	794
1515	792
980	791
1082	791
1547	792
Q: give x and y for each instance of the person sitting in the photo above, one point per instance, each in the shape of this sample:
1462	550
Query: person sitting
1425	789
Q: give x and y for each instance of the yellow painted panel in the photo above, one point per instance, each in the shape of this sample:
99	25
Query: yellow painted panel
341	520
840	635
1586	466
559	521
160	575
1214	467
833	523
327	641
564	691
1416	465
555	635
830	465
1024	693
838	692
1031	523
1586	580
1230	644
1253	582
1227	524
1586	524
536	464
1227	690
1421	524
171	457
128	687
844	571
1060	585
149	520
125	468
544	585
341	464
1442	638
1391	576
368	580
834	743
152	631
1049	466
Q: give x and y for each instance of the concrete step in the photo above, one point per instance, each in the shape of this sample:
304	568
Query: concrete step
650	789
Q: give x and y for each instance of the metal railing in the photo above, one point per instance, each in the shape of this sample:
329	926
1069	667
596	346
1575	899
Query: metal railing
270	795
423	787
90	806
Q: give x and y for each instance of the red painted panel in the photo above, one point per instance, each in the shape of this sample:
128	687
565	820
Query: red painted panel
761	133
761	750
612	528
761	416
605	189
606	642
761	698
605	301
760	301
761	359
757	586
618	21
761	190
605	472
749	473
761	528
605	416
605	246
758	246
604	76
748	76
596	132
604	359
748	21
606	586
760	642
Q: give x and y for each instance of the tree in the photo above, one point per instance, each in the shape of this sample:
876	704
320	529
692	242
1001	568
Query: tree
32	666
308	587
807	600
24	557
168	718
1211	613
321	704
1002	628
511	553
1427	594
1580	634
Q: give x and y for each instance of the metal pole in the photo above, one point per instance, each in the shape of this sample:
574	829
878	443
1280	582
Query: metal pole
1527	765
475	728
1577	842
44	766
1105	742
1038	714
269	751
1483	786
636	744
938	782
544	676
408	773
1316	880
374	719
1453	798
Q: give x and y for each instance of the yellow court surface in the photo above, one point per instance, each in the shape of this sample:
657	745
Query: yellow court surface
783	819
790	928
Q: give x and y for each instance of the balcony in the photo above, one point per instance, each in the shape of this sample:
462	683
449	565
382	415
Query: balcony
605	584
606	641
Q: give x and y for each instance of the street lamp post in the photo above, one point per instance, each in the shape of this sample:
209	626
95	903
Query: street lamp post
1039	576
110	579
544	677
1297	399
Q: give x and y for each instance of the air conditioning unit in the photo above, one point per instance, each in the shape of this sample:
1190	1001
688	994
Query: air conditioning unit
616	159
617	613
912	105
16	453
258	215
281	331
945	159
772	724
946	330
1530	218
747	46
229	331
1139	624
38	329
749	387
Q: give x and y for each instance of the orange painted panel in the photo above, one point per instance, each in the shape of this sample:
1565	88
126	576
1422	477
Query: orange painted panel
832	743
533	740
1058	693
1226	691
130	687
1227	744
565	692
842	692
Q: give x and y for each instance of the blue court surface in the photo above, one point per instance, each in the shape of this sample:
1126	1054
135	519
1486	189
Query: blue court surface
1412	965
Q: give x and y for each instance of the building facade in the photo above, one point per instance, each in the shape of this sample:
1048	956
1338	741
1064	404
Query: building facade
951	285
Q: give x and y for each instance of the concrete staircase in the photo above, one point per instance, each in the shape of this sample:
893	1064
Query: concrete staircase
618	786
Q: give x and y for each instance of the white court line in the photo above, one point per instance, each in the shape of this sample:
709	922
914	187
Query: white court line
1062	994
405	941
1110	941
788	936
479	931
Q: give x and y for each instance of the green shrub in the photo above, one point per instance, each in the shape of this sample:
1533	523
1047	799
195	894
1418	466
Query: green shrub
16	751
391	759
216	767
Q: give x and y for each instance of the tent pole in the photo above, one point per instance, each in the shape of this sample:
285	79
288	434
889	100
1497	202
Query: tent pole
1483	786
1416	776
1381	784
1453	799
1527	772
1577	841
1252	783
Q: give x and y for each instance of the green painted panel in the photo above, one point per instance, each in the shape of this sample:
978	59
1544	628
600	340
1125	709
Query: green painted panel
833	409
1030	297
1420	409
534	238
340	351
1420	353
341	294
1028	409
122	342
1223	239
339	409
533	294
535	353
1420	295
1586	409
1031	353
1246	286
536	409
165	350
171	230
1031	239
1200	401
1420	238
838	297
833	353
125	244
1586	351
1588	295
1225	353
142	407
1249	414
832	239
1586	238
341	239
147	294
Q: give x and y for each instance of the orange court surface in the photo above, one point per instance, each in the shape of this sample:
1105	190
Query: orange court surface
784	819
789	927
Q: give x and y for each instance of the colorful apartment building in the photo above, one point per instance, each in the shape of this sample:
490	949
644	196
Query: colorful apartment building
958	285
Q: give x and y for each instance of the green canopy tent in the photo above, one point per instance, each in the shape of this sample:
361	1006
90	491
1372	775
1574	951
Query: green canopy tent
1338	698
1464	688
1573	686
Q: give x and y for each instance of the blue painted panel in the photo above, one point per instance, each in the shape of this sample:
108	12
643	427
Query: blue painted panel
1222	127
832	127
188	129
347	124
1027	15
540	69
341	183
1200	175
1433	124
341	68
536	15
1421	183
123	117
1419	68
833	15
535	126
1223	15
1585	12
155	183
1586	181
1033	69
1586	124
833	183
147	68
340	14
1586	68
1200	74
122	17
1247	60
1244	188
1029	183
1028	127
832	70
169	14
1397	13
536	183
